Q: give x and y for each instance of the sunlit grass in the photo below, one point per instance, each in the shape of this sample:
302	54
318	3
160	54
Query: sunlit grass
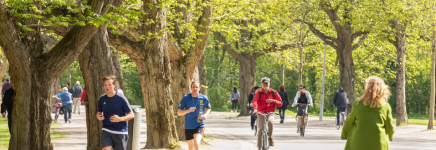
4	133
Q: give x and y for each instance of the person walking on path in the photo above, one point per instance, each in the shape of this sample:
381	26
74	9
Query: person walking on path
234	97
114	111
82	96
369	125
341	102
6	86
302	97
195	107
77	89
284	95
250	104
7	104
67	103
265	102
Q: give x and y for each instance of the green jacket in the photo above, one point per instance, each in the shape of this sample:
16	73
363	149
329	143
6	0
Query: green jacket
368	128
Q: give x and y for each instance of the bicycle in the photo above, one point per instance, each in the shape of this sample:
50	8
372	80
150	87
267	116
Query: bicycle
255	125
264	135
302	113
341	118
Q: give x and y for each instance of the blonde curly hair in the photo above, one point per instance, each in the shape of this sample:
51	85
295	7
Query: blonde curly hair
376	93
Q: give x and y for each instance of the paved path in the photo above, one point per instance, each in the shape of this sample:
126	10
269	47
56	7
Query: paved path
229	132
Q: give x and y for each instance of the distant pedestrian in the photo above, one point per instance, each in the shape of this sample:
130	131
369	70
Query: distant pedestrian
77	89
284	95
67	103
234	97
6	86
7	105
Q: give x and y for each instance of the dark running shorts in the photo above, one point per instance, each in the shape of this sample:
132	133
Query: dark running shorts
189	133
117	141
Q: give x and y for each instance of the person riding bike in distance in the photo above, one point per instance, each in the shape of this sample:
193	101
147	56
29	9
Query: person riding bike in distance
302	97
265	102
341	102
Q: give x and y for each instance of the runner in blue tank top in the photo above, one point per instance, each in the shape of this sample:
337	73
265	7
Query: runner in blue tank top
195	107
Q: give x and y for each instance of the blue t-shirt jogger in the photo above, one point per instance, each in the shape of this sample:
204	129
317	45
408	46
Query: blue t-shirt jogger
116	105
192	119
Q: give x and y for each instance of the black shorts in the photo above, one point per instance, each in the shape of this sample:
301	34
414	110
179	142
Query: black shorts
189	133
117	141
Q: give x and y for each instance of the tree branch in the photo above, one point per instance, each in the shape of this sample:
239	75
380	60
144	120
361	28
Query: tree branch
327	39
127	46
359	33
227	47
13	47
361	40
203	28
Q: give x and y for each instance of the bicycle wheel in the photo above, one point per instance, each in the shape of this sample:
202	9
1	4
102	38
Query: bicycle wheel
302	127
255	127
265	144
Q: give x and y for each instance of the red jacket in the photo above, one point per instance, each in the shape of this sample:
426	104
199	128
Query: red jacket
262	106
82	97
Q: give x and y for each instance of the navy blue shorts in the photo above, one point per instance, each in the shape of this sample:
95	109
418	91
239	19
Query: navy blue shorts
189	133
117	141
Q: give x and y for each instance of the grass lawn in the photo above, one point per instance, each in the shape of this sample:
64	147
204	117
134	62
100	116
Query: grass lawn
4	133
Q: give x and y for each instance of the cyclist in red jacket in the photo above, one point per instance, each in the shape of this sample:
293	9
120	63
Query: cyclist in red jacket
265	102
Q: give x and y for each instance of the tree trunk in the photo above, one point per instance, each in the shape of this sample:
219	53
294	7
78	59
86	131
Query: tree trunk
118	71
346	66
34	72
300	68
401	84
155	76
432	81
95	62
69	78
283	69
247	79
202	74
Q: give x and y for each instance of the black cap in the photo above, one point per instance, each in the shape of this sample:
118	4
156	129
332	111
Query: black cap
265	80
256	87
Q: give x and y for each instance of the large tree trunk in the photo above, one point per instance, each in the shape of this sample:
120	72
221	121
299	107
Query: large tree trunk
34	71
95	62
346	66
155	74
202	74
247	79
432	81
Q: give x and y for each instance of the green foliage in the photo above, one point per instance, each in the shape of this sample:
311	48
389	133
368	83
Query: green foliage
131	81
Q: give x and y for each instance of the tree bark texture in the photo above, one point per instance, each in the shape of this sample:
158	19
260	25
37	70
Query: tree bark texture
35	71
300	68
118	71
247	79
399	42
432	80
202	74
95	62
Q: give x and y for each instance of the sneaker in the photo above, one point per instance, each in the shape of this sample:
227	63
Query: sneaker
298	130
252	128
281	121
271	142
69	120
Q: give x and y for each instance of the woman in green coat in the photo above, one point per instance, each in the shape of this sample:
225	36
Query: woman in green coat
369	125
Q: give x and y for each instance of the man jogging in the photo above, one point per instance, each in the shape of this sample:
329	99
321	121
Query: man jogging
195	107
114	110
265	102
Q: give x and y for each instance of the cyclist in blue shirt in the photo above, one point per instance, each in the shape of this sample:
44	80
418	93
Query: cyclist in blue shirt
196	108
114	110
